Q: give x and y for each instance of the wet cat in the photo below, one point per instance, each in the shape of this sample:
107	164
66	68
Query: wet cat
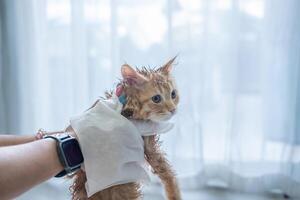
147	94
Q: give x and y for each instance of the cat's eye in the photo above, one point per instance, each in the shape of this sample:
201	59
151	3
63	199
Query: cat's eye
156	98
173	94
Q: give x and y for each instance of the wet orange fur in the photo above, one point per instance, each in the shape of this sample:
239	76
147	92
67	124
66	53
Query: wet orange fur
139	94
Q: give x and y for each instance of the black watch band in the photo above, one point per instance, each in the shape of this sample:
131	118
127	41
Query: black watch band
69	153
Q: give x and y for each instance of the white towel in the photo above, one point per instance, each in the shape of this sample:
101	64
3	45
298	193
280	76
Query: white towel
112	145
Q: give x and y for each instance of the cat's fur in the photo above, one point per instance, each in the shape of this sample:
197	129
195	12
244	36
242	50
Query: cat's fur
140	86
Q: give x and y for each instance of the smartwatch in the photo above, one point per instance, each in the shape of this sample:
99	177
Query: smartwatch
69	153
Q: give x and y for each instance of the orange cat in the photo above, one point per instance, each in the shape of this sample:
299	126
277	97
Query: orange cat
148	94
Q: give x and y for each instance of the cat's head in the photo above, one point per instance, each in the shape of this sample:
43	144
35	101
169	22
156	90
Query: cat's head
151	94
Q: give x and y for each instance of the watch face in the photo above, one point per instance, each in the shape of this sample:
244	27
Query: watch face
72	152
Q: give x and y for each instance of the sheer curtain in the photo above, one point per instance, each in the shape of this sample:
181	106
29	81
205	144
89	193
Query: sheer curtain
238	77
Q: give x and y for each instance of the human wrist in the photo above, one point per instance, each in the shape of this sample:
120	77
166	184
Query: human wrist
68	151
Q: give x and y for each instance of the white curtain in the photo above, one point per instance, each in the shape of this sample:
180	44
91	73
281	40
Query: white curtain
238	77
2	114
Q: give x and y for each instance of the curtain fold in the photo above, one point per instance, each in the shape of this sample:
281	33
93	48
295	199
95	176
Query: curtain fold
238	75
9	100
2	107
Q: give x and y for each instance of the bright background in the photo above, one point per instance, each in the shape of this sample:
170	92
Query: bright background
238	74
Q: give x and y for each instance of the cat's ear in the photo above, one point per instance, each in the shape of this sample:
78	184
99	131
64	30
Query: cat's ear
167	68
131	76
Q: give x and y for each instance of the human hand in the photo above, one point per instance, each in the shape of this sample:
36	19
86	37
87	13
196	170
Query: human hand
112	147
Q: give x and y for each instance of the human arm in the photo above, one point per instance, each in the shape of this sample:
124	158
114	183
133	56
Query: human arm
7	140
26	165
